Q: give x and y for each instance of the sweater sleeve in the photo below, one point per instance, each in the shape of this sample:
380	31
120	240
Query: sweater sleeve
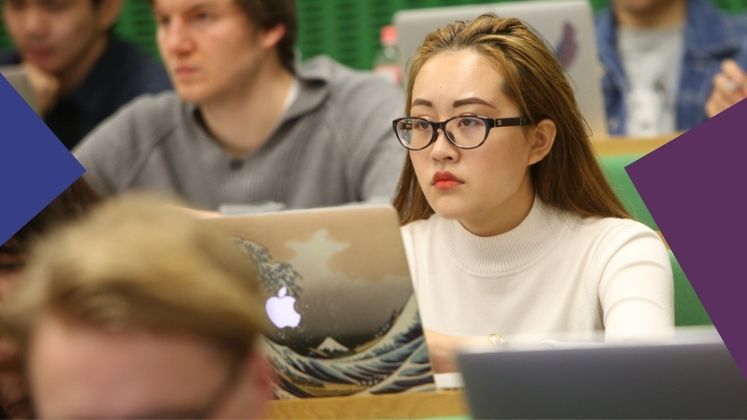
636	290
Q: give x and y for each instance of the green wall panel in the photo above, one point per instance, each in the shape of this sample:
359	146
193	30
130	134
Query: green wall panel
136	23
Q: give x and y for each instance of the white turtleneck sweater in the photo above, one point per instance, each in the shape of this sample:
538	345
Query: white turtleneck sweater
555	273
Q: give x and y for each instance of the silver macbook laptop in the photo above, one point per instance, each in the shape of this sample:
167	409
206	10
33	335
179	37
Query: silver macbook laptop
567	26
340	299
17	77
691	378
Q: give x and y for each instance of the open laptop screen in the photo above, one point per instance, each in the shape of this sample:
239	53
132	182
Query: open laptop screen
339	297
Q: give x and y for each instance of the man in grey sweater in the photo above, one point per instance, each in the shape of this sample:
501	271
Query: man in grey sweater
247	125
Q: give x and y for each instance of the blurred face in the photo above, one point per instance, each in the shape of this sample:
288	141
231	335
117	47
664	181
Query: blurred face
481	186
210	47
54	35
80	372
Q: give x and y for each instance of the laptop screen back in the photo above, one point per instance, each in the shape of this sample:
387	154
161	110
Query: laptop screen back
678	379
566	25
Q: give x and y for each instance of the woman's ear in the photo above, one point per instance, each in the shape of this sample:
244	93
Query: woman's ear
542	137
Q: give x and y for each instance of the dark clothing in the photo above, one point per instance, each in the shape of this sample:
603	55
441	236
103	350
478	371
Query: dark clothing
121	73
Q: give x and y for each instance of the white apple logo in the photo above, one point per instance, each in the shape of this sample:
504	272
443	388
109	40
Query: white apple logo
281	310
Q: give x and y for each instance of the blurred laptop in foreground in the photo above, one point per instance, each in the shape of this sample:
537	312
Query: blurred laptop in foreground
690	376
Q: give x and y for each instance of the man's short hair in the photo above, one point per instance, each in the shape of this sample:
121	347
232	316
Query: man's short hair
269	13
136	263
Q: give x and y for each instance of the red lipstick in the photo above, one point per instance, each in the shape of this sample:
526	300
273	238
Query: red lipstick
444	180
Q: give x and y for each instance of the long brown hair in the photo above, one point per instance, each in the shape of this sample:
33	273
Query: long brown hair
569	177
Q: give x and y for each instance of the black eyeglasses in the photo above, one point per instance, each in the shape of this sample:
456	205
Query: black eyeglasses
464	132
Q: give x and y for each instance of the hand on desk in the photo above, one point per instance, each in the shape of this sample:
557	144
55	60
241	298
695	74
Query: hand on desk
729	87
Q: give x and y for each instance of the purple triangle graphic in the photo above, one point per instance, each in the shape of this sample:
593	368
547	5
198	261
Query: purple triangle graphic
694	188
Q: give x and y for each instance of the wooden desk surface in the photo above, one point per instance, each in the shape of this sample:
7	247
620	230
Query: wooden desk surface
411	405
627	145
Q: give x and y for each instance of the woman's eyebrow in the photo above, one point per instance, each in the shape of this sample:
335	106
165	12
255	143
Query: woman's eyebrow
471	101
459	102
421	102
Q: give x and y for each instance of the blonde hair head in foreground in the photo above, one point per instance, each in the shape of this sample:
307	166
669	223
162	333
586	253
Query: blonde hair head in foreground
138	263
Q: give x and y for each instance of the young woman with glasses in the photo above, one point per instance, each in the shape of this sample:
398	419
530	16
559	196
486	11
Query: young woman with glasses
510	227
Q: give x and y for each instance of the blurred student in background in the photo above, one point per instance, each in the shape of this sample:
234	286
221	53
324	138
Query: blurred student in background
248	124
509	225
70	205
140	311
81	73
660	57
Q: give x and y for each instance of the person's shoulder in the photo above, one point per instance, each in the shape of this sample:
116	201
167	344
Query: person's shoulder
713	25
144	120
615	239
716	22
353	101
615	232
130	134
341	78
159	107
739	23
324	67
614	224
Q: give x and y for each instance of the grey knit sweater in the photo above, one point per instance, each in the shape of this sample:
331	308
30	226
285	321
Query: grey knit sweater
334	145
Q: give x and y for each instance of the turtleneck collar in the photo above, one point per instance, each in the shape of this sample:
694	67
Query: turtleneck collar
510	251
